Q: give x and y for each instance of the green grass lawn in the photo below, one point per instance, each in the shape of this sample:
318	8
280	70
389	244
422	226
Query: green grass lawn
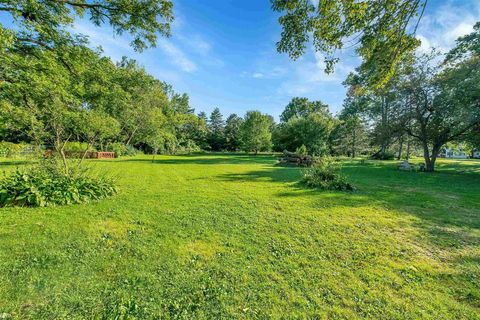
234	236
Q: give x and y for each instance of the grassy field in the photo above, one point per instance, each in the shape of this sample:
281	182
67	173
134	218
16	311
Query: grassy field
234	236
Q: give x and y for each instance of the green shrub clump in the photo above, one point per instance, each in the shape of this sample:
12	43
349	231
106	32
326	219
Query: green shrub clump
302	150
121	149
47	185
324	174
75	146
10	149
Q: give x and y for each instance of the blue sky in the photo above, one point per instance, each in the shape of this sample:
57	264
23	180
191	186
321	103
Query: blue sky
222	53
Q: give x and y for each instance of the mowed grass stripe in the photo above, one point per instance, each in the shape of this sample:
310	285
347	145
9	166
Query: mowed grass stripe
235	236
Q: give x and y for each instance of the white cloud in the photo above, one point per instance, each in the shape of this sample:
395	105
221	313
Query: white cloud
195	43
309	75
441	27
278	71
267	73
177	56
199	46
202	46
114	46
425	46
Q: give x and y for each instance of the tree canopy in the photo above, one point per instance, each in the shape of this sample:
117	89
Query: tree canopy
381	32
255	132
301	107
44	23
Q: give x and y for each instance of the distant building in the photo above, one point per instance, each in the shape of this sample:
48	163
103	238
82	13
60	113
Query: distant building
454	153
476	153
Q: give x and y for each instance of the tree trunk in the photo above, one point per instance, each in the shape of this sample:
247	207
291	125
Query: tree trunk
382	151
354	142
431	164
385	134
399	156
131	136
89	145
435	150
408	148
430	159
64	160
60	147
426	156
155	151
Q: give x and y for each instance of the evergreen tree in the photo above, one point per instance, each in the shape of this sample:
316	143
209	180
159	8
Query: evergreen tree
203	115
216	126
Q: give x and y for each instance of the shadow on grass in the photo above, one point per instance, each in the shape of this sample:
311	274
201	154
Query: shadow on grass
15	162
208	159
447	202
279	174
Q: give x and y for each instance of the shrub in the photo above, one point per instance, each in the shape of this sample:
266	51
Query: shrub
47	185
74	146
10	149
121	149
188	147
324	174
302	150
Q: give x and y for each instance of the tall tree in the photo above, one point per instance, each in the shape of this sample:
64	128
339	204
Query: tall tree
350	136
232	132
312	131
203	115
443	104
255	132
216	126
379	106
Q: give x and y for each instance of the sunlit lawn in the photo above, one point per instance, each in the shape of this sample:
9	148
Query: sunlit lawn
234	236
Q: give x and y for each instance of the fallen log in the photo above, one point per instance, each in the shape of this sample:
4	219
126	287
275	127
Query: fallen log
292	158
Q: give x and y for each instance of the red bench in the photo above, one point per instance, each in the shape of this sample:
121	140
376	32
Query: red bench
104	155
78	154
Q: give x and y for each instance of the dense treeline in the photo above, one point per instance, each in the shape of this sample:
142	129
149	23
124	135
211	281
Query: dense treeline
55	90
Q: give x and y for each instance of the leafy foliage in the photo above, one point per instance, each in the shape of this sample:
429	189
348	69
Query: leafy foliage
428	103
216	131
76	146
324	174
350	136
47	185
302	107
10	149
302	150
380	28
232	131
43	23
121	149
312	131
255	132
